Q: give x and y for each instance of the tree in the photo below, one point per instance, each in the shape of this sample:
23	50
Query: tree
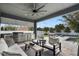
7	28
59	27
67	29
46	29
77	28
76	16
51	29
71	20
40	29
2	28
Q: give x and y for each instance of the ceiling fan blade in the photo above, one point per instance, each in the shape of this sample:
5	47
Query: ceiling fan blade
37	14
33	14
34	6
41	7
42	11
27	9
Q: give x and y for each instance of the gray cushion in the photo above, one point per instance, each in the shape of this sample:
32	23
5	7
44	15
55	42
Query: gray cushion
9	40
53	41
5	53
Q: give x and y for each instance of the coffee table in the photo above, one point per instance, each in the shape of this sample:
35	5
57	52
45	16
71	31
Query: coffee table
37	49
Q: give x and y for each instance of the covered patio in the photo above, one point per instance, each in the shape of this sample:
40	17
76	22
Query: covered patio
31	13
22	11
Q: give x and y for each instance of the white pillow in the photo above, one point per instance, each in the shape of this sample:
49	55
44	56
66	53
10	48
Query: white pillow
3	45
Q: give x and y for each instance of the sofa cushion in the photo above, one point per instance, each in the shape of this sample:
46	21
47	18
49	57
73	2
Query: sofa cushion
16	49
6	53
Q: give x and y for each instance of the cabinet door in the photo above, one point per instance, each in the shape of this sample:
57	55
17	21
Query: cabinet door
29	37
25	36
21	38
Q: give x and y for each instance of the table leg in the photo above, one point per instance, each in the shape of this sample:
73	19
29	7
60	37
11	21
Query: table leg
39	53
36	53
54	50
25	46
60	47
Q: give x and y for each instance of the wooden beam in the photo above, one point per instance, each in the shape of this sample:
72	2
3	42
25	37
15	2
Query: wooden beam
15	17
61	12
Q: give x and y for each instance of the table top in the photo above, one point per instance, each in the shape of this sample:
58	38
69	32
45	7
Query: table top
37	48
28	42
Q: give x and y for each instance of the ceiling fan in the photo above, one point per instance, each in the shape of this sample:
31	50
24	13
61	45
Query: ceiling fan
35	10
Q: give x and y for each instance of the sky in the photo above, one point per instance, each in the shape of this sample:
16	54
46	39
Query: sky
51	22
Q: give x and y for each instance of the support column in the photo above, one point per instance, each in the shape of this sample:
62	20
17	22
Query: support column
0	24
0	18
0	21
35	29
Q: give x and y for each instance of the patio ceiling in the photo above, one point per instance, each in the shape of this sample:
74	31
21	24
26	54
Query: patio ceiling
16	22
22	11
